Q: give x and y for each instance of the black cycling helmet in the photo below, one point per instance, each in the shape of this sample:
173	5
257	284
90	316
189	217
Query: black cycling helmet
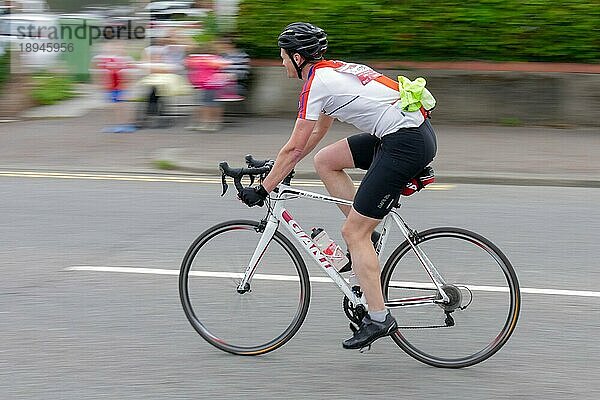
303	38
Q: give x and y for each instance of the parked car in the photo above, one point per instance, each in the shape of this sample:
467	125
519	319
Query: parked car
162	28
4	10
161	21
157	6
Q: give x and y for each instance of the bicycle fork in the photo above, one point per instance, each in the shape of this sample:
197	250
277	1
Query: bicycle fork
267	234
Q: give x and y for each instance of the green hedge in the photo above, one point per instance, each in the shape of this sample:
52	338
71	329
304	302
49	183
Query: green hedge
4	68
498	30
50	89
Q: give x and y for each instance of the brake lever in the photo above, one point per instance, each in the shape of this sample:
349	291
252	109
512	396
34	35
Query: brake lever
224	182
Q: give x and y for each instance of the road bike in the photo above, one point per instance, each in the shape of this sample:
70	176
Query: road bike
246	290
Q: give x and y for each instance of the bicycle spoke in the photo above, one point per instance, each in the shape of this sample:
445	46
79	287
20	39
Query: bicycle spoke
483	294
254	321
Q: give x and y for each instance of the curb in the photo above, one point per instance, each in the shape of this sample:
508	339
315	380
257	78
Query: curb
483	178
49	115
64	109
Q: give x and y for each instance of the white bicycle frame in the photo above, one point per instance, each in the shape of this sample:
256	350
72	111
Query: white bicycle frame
281	216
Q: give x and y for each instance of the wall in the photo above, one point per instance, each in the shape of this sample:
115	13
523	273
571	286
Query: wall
529	98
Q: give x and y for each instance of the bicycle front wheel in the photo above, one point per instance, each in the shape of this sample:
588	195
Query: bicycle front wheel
255	321
484	298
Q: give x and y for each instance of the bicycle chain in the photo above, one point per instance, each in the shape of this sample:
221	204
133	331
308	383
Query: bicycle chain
448	323
348	307
424	327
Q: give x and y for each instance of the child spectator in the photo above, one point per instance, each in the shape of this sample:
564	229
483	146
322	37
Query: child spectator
113	73
206	73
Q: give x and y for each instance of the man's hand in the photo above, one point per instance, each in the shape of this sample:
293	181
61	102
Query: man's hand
253	196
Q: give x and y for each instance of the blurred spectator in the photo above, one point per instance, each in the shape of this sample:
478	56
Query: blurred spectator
164	65
176	47
207	73
168	50
113	67
175	54
238	65
153	53
152	62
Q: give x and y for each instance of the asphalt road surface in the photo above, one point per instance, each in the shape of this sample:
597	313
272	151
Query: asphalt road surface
67	333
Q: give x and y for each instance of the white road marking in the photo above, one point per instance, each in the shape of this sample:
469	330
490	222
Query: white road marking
132	270
416	285
163	178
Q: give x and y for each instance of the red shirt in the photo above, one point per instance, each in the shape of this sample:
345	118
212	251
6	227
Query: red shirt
113	67
205	71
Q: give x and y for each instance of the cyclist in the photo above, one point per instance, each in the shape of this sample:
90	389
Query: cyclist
395	147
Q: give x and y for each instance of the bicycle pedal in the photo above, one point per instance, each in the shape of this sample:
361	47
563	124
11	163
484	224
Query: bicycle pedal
363	350
353	327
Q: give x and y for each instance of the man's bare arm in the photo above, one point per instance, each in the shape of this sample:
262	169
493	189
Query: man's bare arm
305	137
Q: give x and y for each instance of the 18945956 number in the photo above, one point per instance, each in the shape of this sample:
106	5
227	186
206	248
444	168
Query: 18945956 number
46	47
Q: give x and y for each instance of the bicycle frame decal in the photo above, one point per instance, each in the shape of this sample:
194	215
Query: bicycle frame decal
301	236
305	239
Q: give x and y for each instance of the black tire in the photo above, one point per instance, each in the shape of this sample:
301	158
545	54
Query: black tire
459	240
237	229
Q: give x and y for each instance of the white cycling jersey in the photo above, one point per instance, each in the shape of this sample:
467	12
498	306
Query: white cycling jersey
356	94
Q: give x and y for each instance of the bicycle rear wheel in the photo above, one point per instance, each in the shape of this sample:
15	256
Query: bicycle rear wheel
259	320
480	279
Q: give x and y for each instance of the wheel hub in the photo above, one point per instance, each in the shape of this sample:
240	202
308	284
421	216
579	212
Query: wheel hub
454	297
246	288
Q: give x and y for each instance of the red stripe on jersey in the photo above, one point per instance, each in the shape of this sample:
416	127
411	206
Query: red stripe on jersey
328	63
389	82
304	94
306	88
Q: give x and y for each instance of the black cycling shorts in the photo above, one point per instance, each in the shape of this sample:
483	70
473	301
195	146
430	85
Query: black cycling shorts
391	162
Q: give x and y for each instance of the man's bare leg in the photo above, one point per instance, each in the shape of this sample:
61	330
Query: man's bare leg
357	233
330	163
379	323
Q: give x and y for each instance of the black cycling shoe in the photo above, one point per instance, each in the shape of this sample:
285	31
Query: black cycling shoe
369	331
346	268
